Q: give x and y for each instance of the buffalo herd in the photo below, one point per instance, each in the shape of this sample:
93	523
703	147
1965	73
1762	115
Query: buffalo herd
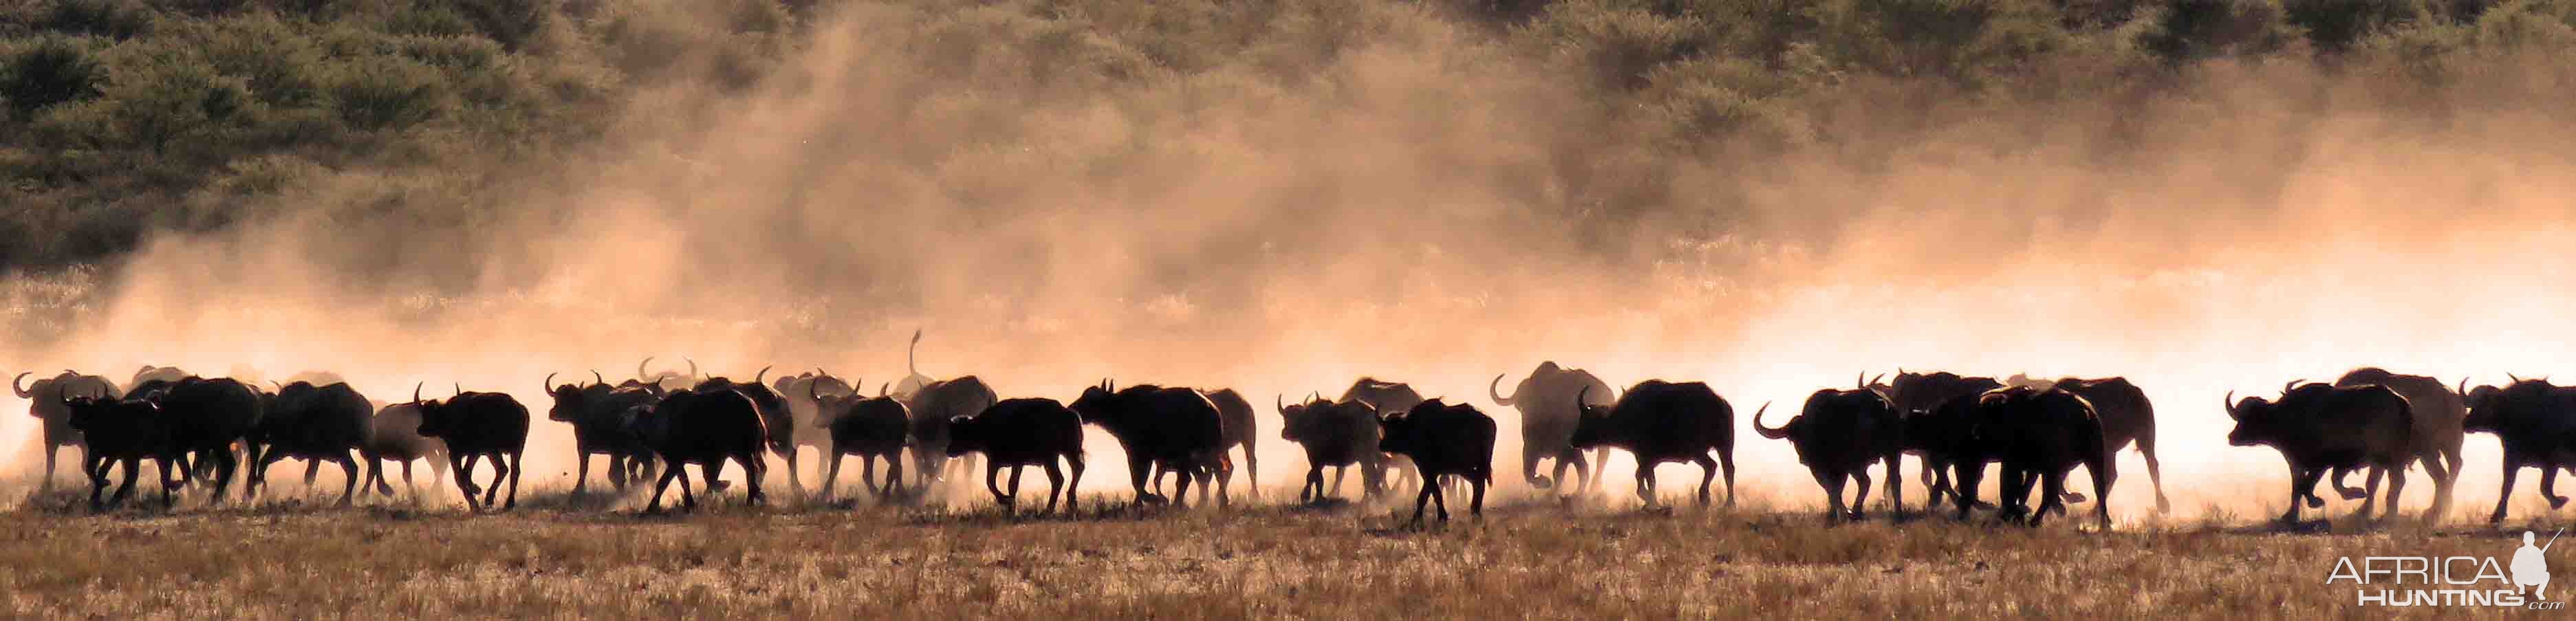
200	431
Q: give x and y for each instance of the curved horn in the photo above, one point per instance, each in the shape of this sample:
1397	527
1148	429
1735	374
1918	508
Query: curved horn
1314	395
639	368
819	372
1579	395
415	391
2285	388
1277	403
1499	399
1881	376
2464	387
2510	376
13	384
280	387
693	367
595	378
810	394
764	373
1774	433
1860	380
881	388
549	383
460	389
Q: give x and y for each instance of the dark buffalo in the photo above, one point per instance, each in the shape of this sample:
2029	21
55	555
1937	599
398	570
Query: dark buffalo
803	393
1838	435
45	403
122	431
2318	427
598	414
1661	423
1546	400
476	425
871	428
2126	417
1339	435
1240	429
1386	398
2038	436
932	407
1023	432
207	417
1175	429
2536	422
2437	413
394	434
704	427
316	424
774	416
1443	439
1930	438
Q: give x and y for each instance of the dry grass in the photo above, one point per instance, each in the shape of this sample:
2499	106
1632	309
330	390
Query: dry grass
565	557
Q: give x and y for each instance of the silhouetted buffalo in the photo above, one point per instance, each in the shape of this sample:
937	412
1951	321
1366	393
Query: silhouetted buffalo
476	425
802	393
45	403
2437	413
1023	432
598	414
207	416
2038	436
1663	422
1240	429
932	407
1176	429
1443	439
1386	398
2317	427
1546	400
1837	435
316	424
1339	435
871	428
2536	422
394	434
1929	437
122	431
774	416
704	427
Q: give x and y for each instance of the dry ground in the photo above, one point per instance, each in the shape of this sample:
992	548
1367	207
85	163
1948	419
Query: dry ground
559	556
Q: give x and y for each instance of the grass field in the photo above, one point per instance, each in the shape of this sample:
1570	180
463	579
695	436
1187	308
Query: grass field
561	556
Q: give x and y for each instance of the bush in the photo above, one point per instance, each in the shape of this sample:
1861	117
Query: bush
51	70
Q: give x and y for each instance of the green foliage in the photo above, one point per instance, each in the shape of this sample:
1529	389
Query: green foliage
50	70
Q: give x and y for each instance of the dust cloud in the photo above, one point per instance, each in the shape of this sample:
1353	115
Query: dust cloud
1420	207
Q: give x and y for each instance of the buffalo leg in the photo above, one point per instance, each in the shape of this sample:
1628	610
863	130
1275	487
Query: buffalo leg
312	470
95	469
2302	482
1707	475
1055	483
2396	488
500	470
1933	483
1439	496
993	483
581	474
1251	471
133	469
1860	497
1895	485
1420	500
2548	487
1964	493
795	487
1476	503
1312	485
51	451
832	473
2015	492
2345	489
616	471
1181	492
375	481
169	485
1646	482
2442	479
2155	471
464	468
349	468
655	505
2052	495
225	466
2370	493
1138	468
1600	458
408	485
1726	466
1072	484
894	475
754	470
1833	484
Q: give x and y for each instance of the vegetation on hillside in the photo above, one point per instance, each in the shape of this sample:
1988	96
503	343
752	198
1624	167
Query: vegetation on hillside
120	118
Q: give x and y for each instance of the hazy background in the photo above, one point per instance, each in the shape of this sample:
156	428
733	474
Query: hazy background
1282	196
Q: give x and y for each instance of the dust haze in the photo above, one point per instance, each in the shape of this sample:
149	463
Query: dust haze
1420	207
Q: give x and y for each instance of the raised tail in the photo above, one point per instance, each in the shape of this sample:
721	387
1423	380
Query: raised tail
908	351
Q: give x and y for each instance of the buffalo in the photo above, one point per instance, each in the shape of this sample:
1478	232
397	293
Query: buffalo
122	431
2437	411
1240	429
1549	412
476	425
45	402
1838	435
871	428
932	407
1176	429
207	417
2317	427
1930	436
597	413
394	434
774	416
704	427
1442	440
1663	422
1386	398
1023	432
1338	435
316	424
803	393
662	382
2536	422
2038	436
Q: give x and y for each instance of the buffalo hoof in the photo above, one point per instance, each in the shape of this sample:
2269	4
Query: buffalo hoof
2315	502
2557	501
2072	497
2355	494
